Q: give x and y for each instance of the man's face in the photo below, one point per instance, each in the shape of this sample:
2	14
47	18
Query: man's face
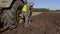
31	4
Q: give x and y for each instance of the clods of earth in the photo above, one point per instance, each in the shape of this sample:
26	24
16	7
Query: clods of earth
44	23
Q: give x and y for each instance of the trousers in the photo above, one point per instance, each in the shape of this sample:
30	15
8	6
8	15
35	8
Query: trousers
27	17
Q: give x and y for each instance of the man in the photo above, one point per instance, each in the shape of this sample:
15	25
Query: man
27	13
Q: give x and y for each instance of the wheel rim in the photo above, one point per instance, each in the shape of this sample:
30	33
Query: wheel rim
20	17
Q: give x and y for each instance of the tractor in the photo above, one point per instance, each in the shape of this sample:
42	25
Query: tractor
9	12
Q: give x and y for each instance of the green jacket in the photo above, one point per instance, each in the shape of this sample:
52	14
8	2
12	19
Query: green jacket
26	7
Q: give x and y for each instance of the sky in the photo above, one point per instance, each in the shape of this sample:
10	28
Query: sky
50	4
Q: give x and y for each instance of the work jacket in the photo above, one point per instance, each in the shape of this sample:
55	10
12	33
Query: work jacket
26	7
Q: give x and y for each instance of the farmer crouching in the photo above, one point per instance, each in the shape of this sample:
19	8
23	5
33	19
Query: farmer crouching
26	10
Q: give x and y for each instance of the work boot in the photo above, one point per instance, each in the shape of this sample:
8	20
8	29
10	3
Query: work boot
26	25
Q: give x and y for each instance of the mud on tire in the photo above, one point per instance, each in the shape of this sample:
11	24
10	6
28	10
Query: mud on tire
9	16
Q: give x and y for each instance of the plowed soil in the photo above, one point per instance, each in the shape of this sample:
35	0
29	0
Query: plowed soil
43	23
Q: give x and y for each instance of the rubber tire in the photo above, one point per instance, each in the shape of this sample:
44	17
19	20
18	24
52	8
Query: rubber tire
9	16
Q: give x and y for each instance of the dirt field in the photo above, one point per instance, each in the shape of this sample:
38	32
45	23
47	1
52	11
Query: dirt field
42	23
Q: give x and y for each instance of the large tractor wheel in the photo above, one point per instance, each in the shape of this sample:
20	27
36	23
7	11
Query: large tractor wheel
9	17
